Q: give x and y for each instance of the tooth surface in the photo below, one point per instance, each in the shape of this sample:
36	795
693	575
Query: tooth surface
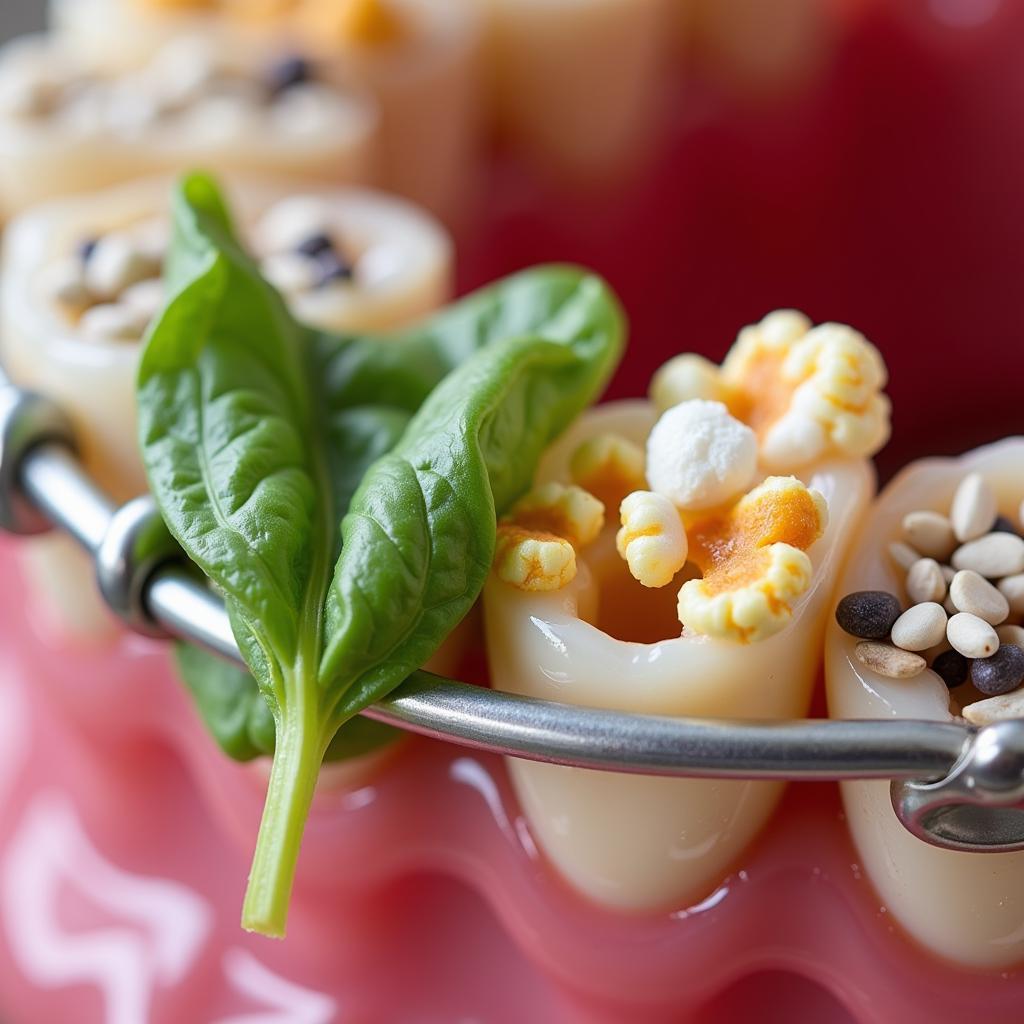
42	348
632	842
966	907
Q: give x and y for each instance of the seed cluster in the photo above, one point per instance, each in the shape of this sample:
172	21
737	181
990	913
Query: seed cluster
964	578
111	284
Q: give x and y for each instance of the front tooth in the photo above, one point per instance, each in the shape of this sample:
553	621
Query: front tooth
965	907
631	842
43	345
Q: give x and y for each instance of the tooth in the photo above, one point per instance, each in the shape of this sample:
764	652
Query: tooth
402	262
632	842
91	137
964	907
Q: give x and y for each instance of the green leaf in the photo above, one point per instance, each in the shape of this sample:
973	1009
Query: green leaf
258	434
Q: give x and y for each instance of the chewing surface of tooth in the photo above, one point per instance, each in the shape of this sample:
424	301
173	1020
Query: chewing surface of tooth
808	392
753	560
965	907
610	467
630	842
652	539
43	348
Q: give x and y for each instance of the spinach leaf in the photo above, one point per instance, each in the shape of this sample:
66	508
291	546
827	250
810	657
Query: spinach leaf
256	434
235	712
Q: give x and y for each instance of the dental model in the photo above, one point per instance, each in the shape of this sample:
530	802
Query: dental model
68	125
940	572
81	284
705	596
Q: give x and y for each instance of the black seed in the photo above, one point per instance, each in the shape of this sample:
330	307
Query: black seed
1001	673
316	245
868	614
952	668
86	247
333	267
1003	525
287	73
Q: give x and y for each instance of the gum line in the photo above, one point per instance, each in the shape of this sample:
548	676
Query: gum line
376	878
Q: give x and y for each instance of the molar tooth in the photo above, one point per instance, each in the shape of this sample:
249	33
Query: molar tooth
962	906
633	842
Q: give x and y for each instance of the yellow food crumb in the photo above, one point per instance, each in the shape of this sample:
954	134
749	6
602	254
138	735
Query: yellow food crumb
533	560
652	539
753	561
569	512
807	391
684	378
609	467
259	10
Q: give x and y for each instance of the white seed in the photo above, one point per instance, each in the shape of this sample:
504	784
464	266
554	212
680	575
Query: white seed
1012	588
974	508
996	709
889	661
950	608
64	282
948	572
115	264
146	297
925	581
972	593
290	272
920	627
971	636
1011	635
930	533
112	322
993	556
903	555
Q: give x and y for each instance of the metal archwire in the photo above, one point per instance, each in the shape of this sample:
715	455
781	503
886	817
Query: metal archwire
953	786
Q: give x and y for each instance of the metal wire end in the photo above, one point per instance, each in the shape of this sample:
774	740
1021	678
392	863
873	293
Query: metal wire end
27	420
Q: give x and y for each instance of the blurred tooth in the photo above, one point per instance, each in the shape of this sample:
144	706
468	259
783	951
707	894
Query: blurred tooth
965	907
632	842
88	363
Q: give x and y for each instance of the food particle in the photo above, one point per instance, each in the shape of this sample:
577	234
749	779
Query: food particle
971	636
925	581
700	456
1012	588
889	661
684	378
996	709
974	508
567	511
610	467
993	555
1011	634
903	555
1000	673
652	539
920	627
753	561
972	593
868	614
532	560
930	533
952	668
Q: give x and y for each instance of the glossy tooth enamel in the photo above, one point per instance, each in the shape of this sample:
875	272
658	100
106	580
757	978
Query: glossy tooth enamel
403	260
966	907
631	842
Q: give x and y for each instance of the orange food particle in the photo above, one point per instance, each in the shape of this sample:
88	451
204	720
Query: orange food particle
353	22
729	545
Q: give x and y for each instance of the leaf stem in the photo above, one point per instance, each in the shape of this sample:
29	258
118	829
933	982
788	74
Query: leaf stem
293	776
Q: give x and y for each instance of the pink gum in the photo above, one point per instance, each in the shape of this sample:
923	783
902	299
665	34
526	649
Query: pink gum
393	874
